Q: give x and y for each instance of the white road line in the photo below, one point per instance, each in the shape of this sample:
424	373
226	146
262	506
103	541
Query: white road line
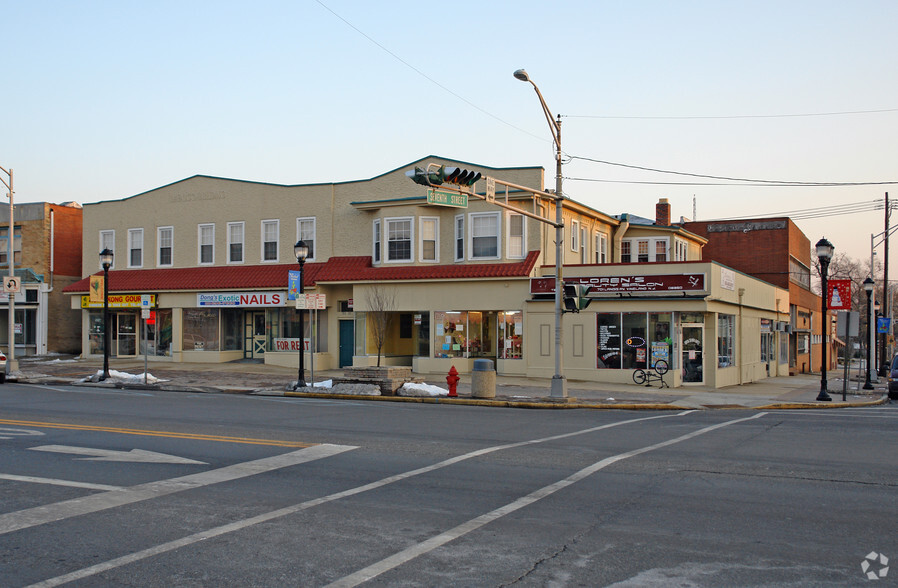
414	551
40	515
265	517
55	482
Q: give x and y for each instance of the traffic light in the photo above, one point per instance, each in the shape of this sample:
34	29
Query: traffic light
425	178
459	176
575	298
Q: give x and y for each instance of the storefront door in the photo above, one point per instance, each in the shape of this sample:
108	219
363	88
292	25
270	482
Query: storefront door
126	334
691	344
254	334
347	343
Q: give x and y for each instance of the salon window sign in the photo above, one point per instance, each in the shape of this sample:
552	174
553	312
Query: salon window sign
241	299
615	284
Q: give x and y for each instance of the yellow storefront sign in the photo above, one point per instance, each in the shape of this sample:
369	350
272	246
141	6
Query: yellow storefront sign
117	301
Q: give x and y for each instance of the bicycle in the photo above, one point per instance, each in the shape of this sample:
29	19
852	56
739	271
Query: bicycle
660	368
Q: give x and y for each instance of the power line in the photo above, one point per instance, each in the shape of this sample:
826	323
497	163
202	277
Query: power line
783	183
733	116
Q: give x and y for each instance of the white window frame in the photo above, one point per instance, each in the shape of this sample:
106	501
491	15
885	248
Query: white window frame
472	218
276	223
584	245
510	253
135	235
411	238
199	243
575	235
423	221
171	245
301	235
459	238
376	242
601	252
681	250
242	241
107	241
652	244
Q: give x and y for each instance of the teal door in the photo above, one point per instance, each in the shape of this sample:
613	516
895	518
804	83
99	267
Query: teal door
347	343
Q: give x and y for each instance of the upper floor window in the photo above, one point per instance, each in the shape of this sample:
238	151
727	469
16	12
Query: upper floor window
430	238
626	248
16	245
799	273
399	239
460	237
516	226
270	234
206	243
305	231
642	251
601	248
661	250
235	242
575	235
484	235
135	247
584	246
681	250
377	241
164	241
107	241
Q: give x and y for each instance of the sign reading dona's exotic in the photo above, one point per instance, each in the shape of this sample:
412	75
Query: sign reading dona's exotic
615	284
241	299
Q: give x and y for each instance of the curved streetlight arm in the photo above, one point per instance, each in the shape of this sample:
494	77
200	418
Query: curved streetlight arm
554	124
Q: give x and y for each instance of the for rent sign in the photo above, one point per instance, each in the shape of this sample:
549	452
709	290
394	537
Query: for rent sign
291	344
243	299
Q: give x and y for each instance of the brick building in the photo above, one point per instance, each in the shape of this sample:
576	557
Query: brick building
47	258
776	251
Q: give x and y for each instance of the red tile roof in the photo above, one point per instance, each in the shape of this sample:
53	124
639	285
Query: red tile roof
336	269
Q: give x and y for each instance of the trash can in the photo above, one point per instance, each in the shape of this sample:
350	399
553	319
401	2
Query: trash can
483	379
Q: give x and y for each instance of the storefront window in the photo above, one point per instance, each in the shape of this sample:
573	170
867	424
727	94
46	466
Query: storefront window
200	329
163	332
450	334
635	347
726	327
608	351
661	343
511	335
231	329
95	332
283	323
784	349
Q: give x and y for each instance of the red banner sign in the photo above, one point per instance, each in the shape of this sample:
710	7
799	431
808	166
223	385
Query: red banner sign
614	284
838	294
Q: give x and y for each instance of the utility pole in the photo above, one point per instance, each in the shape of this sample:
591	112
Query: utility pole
884	361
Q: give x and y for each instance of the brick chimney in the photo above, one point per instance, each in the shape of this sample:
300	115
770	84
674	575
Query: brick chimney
662	213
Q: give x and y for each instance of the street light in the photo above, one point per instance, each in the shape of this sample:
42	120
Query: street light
825	255
868	289
106	257
559	383
301	251
11	364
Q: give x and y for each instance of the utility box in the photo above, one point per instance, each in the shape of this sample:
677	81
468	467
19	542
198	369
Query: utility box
483	379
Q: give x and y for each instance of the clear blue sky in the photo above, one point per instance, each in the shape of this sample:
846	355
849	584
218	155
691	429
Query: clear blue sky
104	100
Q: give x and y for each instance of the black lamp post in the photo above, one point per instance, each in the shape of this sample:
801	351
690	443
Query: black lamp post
106	257
825	255
868	289
301	251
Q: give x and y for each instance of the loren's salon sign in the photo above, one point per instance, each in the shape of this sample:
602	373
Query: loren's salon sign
662	283
245	299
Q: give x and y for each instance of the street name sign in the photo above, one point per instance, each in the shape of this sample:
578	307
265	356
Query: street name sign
441	198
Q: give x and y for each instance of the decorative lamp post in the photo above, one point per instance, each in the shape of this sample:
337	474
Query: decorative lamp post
106	257
11	363
825	255
301	251
868	289
559	383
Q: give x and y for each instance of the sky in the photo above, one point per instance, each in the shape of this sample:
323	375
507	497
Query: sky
105	100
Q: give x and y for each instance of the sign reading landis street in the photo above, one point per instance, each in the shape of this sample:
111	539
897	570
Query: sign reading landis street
447	198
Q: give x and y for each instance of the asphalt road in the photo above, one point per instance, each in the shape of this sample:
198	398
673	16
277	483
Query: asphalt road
103	487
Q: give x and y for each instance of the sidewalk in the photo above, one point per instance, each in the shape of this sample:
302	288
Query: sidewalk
255	378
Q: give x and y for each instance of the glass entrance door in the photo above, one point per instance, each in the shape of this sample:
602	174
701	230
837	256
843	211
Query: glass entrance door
691	344
126	334
254	334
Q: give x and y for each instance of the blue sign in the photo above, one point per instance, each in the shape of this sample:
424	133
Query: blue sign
292	284
882	324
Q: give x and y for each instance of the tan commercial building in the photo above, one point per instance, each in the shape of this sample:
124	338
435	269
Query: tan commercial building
445	284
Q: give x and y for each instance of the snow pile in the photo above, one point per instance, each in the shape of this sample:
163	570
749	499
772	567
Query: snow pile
324	384
410	389
123	378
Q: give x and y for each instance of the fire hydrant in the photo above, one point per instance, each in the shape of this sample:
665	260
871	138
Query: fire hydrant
452	379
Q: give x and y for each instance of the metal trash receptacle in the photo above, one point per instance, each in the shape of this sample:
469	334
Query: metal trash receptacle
483	379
